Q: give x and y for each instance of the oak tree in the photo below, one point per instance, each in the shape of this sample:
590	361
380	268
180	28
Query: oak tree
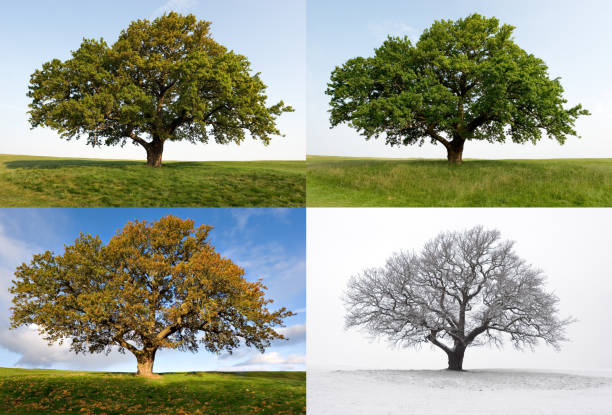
152	286
463	80
165	80
464	289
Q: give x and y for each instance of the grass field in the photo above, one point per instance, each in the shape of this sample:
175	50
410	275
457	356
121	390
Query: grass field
47	181
344	181
36	391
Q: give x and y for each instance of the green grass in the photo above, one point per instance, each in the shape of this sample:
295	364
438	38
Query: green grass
344	181
36	391
47	181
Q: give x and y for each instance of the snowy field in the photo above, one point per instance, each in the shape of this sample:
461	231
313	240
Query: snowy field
474	392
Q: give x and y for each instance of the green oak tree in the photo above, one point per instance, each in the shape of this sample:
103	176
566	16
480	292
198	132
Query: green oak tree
463	80
152	286
165	80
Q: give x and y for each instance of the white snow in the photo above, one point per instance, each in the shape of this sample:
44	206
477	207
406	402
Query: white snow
473	392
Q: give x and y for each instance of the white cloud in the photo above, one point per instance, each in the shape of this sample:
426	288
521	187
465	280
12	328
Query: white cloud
12	250
33	351
266	358
5	280
392	28
242	216
283	273
180	6
297	359
273	358
36	352
267	260
270	361
295	334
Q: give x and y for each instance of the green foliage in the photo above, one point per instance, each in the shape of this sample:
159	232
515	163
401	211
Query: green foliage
152	286
27	181
161	80
345	181
463	80
27	391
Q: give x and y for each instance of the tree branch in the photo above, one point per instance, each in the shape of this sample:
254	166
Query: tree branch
437	136
181	119
169	329
138	140
121	341
477	122
434	340
478	330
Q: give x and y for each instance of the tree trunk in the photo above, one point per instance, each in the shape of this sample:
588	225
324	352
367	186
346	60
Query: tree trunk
154	153
145	363
455	358
455	151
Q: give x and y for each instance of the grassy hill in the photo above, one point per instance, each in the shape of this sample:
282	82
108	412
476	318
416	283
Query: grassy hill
36	391
29	181
345	181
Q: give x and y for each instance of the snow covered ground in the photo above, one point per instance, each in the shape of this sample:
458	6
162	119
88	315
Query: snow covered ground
474	392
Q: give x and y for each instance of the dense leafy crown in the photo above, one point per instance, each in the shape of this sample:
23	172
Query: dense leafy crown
165	79
463	79
153	285
466	288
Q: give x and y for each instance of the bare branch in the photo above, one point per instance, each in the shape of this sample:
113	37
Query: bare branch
468	287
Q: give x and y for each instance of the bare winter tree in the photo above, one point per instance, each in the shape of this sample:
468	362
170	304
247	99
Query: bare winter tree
464	289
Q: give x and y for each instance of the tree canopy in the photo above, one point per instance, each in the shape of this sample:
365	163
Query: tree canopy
165	80
463	289
152	286
463	80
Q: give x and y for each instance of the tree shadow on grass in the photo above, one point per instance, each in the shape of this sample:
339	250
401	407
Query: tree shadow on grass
58	164
112	164
199	374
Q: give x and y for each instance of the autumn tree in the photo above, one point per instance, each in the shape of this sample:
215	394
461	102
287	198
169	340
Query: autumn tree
152	286
464	289
463	80
165	80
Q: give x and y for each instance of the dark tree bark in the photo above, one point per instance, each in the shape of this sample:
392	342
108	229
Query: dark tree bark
154	152
462	285
455	151
145	360
455	358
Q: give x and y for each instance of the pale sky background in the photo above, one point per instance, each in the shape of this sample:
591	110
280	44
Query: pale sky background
572	37
271	34
267	243
571	246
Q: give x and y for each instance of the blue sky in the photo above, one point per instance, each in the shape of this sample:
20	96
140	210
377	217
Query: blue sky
572	37
271	34
268	243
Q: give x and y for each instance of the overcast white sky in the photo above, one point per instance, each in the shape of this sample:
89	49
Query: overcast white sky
571	246
270	34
